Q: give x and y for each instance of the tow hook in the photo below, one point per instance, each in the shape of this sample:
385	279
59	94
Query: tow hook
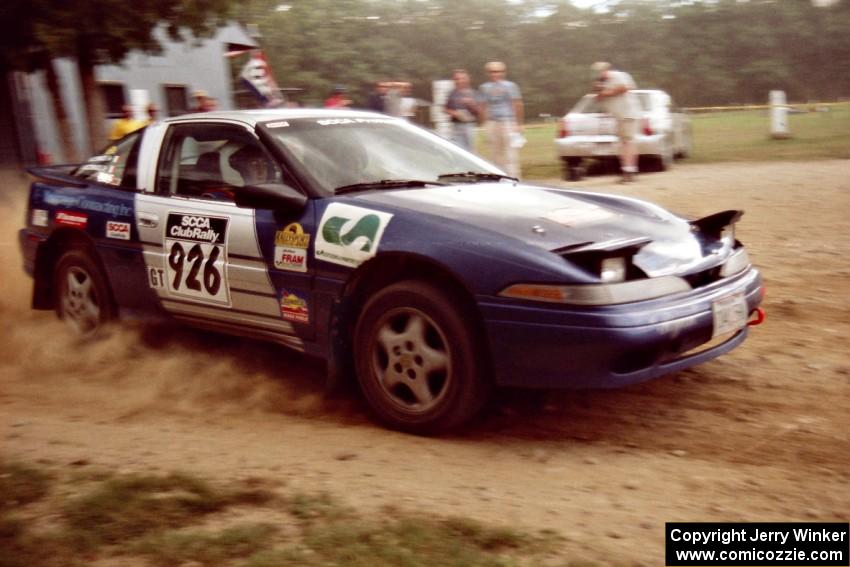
760	317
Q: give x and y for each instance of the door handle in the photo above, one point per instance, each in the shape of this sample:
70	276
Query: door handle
148	220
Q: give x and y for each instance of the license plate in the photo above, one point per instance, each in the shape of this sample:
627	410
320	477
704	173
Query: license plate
730	314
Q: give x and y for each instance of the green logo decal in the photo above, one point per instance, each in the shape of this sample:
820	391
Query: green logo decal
366	227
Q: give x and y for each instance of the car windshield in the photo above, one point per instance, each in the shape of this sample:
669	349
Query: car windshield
589	104
337	153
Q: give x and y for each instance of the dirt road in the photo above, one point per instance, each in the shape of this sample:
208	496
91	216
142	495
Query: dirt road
761	434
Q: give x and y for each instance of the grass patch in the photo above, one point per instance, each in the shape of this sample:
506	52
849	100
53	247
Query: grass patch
719	137
175	548
150	519
130	507
744	136
309	507
20	485
406	541
133	506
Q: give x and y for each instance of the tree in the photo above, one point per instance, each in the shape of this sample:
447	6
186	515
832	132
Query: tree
98	32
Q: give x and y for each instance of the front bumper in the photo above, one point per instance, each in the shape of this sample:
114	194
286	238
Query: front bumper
541	346
607	146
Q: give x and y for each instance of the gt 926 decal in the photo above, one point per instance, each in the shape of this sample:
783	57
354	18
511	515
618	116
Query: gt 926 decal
196	257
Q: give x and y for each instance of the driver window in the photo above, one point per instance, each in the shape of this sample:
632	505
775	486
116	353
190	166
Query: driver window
212	161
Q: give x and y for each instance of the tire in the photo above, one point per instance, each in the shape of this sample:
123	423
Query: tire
81	294
663	161
687	143
419	361
572	168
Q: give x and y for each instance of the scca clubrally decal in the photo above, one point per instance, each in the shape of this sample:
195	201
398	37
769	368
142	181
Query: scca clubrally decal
196	248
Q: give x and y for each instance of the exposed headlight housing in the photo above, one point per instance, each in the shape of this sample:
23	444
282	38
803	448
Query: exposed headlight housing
599	294
736	263
613	270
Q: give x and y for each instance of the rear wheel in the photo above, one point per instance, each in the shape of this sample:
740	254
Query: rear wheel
81	294
418	358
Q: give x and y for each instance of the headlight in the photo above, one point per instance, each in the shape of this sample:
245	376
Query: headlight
735	263
613	270
599	294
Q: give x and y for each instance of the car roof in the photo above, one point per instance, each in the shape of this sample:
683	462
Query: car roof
253	117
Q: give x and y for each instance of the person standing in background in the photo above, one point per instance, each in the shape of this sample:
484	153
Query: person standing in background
338	98
125	125
153	112
392	100
614	92
462	108
407	104
377	96
502	113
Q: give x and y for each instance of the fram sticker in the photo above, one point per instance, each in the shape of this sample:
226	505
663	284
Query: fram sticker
69	218
294	308
290	248
350	235
39	217
119	230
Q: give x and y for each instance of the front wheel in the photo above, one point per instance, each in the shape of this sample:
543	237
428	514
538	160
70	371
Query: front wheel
418	358
82	297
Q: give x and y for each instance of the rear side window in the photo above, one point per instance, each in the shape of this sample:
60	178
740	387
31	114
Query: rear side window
116	165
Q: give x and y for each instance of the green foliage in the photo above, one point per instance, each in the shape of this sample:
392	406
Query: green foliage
703	53
100	31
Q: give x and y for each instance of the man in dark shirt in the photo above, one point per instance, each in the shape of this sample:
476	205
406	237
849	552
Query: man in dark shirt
376	97
462	108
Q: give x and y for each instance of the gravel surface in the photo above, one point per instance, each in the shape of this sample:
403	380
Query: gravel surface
762	434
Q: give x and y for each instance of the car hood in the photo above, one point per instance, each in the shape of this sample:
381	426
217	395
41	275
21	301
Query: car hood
558	220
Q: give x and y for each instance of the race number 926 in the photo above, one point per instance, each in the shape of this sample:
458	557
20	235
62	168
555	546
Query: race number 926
196	260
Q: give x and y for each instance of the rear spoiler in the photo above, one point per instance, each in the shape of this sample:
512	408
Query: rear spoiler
58	173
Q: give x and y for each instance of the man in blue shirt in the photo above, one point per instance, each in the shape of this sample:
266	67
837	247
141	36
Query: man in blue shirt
501	111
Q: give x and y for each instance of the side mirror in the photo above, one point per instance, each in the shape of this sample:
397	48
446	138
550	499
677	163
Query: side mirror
274	196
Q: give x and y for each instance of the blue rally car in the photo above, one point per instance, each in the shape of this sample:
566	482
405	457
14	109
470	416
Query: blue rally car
385	249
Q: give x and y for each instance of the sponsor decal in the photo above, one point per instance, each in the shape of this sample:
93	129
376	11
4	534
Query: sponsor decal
290	248
69	218
119	230
580	215
281	124
111	208
349	235
39	217
196	263
107	177
197	228
294	308
338	121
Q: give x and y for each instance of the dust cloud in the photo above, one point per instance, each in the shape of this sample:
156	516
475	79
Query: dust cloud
141	367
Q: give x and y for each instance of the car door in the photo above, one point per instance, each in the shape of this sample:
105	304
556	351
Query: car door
212	263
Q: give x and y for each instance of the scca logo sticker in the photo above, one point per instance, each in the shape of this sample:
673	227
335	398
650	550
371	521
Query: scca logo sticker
350	235
119	230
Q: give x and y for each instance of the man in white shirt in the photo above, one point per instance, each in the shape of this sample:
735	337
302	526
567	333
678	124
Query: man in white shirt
614	92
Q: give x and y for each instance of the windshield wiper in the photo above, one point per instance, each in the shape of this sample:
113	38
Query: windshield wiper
473	176
384	184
